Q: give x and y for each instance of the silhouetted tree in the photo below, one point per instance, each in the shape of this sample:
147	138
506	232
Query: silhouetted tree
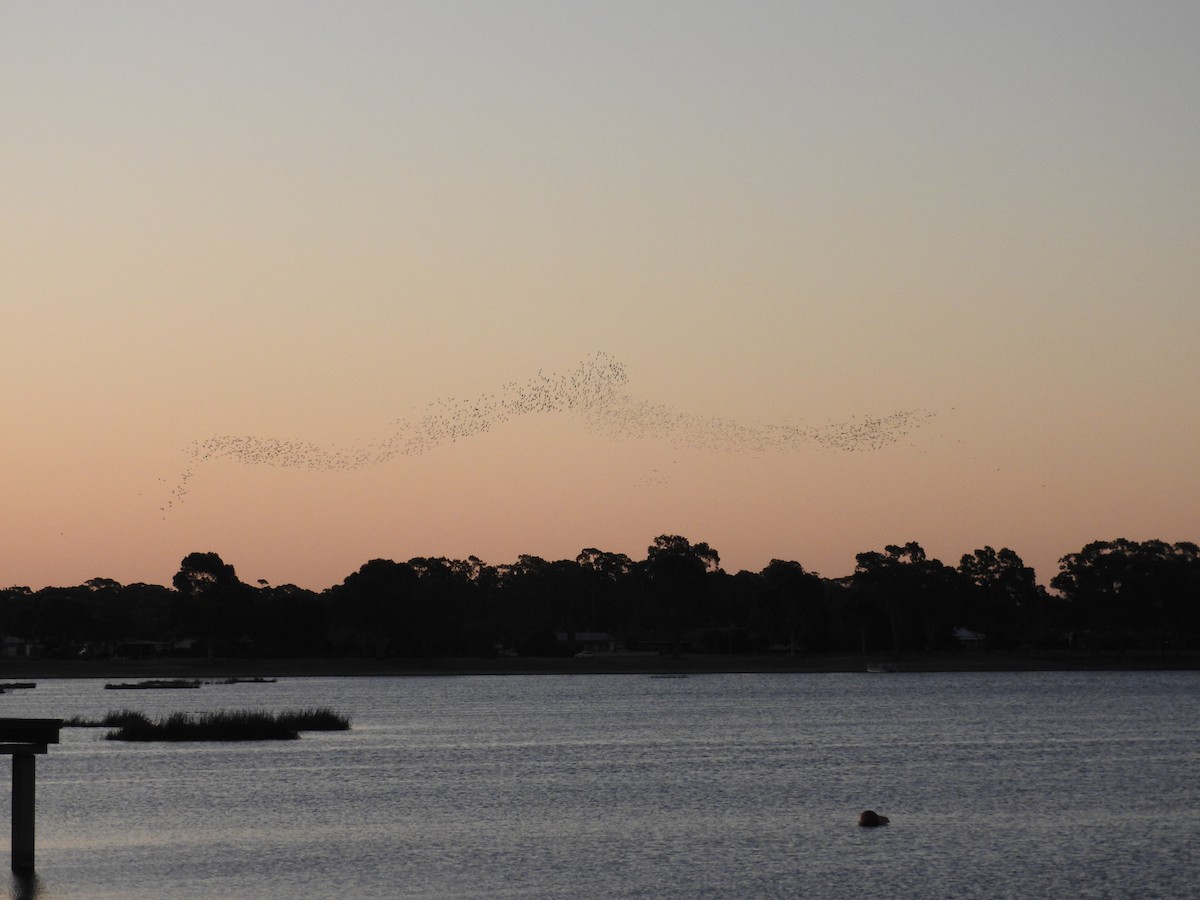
375	609
1111	595
121	613
611	604
443	599
1124	593
63	619
478	626
793	603
677	569
292	621
1002	596
215	592
919	594
533	592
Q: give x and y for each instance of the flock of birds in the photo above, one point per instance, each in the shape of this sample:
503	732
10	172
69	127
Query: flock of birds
594	392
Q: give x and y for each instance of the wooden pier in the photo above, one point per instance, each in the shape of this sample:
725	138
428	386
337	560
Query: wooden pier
23	740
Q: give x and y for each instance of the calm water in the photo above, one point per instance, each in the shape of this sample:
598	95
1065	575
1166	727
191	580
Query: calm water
998	785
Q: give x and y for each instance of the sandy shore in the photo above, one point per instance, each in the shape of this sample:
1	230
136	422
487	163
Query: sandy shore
32	669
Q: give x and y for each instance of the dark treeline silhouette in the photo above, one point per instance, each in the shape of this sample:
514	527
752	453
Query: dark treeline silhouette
1109	597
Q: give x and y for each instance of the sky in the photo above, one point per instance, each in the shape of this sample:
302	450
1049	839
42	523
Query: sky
307	284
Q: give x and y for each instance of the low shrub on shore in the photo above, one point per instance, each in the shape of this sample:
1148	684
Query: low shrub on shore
228	725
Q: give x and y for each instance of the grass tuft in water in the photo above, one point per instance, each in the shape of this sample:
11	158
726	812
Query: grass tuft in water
228	725
112	719
314	720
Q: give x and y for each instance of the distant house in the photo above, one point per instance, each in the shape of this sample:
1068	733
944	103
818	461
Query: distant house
969	640
140	649
19	647
185	647
716	640
588	641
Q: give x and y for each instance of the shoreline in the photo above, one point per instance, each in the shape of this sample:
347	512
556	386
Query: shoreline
600	664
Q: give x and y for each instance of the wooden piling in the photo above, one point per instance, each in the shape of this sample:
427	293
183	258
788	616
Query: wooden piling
23	739
24	778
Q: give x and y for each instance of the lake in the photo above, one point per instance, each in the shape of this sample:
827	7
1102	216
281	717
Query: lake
997	785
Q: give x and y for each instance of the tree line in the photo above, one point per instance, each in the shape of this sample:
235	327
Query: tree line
1110	596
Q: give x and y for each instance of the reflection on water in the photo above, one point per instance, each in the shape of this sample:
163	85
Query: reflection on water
26	887
547	786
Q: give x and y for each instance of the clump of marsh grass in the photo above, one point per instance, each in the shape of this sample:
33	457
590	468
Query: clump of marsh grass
111	719
82	722
314	720
228	725
154	683
210	726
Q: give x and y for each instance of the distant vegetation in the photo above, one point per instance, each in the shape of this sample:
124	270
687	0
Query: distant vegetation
226	725
154	684
1109	597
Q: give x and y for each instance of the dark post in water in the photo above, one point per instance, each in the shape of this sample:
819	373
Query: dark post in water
23	791
22	739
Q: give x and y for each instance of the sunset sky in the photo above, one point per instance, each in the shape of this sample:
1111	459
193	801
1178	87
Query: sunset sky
851	274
